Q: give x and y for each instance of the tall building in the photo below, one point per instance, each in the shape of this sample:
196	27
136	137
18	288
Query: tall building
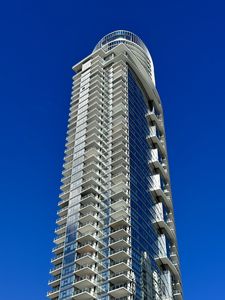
115	235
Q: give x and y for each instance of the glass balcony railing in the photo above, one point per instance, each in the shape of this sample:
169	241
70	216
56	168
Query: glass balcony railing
54	290
120	240
89	291
125	273
126	250
56	278
125	261
57	267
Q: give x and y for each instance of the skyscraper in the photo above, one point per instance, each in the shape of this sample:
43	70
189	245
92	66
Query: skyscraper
115	235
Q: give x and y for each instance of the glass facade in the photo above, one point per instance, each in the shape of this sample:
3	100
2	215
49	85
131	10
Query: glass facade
143	233
115	235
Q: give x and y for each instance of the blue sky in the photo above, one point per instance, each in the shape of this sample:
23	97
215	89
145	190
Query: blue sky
40	41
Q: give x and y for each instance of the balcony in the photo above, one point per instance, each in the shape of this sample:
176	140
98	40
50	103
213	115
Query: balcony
164	260
159	191
90	247
60	229
118	161
118	146
155	139
85	282
88	270
60	238
120	266
122	222
96	130
61	221
93	174
87	227
69	151
53	293
123	242
63	203
120	93
91	189
122	168
177	295
87	258
67	173
90	217
92	144
120	291
56	270
156	164
118	178
65	183
91	181
120	232
153	117
119	193
93	160
162	224
120	254
123	212
90	198
94	123
119	110
92	237
174	256
119	203
57	259
97	138
58	248
119	186
119	130
63	212
119	143
120	278
91	207
54	281
84	294
119	136
121	124
118	120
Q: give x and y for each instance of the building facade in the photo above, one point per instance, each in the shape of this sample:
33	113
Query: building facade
115	235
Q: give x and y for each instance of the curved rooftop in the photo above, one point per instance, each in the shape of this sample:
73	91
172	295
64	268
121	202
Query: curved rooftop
137	46
121	36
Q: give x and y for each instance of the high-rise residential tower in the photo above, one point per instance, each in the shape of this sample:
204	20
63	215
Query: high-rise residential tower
115	234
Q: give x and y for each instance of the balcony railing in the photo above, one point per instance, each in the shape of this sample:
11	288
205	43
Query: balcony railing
121	274
85	293
160	190
157	163
53	292
54	280
120	241
154	138
119	291
86	258
126	250
120	266
57	258
163	259
86	269
85	281
155	117
117	203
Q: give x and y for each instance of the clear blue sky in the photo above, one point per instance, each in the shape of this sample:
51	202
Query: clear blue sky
40	41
